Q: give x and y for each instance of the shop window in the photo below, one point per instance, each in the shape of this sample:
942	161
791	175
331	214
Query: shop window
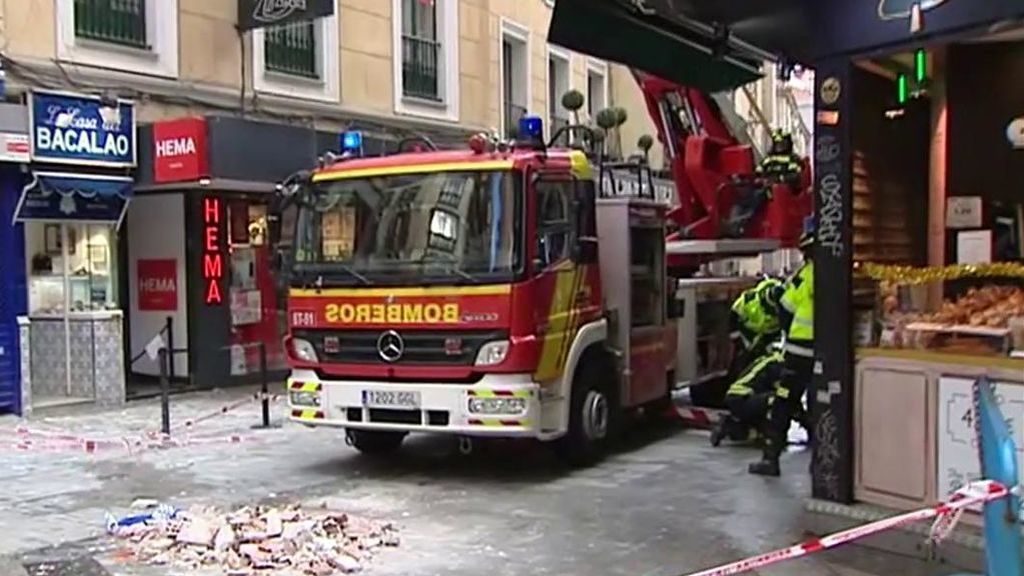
554	225
115	21
72	267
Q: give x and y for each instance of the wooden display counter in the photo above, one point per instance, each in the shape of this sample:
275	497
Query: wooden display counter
914	440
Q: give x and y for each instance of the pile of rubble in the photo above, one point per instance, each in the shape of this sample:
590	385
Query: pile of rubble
254	540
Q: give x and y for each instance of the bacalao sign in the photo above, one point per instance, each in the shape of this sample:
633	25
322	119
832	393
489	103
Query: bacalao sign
410	307
69	128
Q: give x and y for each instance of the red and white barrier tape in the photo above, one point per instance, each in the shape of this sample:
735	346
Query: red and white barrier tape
35	439
257	397
29	440
974	493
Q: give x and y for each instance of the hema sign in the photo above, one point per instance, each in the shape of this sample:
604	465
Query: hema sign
262	13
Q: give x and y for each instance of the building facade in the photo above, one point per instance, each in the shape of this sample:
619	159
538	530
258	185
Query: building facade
168	236
389	64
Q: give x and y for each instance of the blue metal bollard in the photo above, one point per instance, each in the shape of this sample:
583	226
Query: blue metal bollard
998	456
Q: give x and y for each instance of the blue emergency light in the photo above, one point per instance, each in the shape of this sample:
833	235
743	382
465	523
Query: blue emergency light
352	143
809	224
531	128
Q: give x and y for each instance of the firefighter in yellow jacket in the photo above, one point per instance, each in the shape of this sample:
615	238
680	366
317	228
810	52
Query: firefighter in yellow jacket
797	318
749	397
754	320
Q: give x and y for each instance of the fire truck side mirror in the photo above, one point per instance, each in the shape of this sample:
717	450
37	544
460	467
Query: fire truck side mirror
278	261
673	305
585	251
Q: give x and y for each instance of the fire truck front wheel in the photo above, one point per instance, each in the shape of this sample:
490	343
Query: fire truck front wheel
593	412
373	442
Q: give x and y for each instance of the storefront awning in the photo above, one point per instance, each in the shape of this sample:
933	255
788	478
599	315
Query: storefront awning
74	197
639	36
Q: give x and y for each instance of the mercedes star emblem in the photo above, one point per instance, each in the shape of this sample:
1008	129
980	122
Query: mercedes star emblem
390	346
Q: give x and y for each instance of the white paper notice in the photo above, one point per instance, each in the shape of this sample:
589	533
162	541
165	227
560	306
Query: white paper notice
974	247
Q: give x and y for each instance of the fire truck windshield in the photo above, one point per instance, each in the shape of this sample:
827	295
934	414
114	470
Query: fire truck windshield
406	229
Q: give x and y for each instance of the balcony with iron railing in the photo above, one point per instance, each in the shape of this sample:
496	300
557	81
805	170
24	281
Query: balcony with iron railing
513	112
420	57
291	49
120	22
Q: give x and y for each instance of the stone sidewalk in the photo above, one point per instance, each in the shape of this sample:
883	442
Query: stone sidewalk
665	504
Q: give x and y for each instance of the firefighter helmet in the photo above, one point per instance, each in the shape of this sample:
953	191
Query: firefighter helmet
782	141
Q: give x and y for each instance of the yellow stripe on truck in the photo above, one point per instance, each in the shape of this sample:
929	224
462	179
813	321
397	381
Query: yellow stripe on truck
549	366
330	176
500	394
418	291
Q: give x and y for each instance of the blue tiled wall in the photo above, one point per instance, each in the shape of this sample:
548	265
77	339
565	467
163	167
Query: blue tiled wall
13	292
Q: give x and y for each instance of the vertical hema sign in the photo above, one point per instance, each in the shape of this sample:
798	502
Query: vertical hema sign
213	256
81	129
262	13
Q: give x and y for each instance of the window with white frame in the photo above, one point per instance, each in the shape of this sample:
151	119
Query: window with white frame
515	75
558	85
292	49
139	36
597	88
298	59
427	67
421	50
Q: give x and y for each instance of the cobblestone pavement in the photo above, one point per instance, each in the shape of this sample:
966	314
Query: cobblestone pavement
665	504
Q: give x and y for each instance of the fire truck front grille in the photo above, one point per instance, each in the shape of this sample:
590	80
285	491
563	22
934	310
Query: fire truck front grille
421	347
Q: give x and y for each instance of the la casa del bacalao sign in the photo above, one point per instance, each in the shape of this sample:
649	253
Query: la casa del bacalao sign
71	128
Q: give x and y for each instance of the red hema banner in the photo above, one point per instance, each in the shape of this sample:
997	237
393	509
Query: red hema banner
180	152
158	285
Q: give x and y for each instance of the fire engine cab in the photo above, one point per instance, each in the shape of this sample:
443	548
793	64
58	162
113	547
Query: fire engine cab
502	290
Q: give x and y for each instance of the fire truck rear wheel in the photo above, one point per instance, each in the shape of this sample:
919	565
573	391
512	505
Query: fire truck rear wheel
593	413
375	441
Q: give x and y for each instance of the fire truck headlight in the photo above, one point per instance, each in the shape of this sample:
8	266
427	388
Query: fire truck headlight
499	405
304	398
492	353
304	350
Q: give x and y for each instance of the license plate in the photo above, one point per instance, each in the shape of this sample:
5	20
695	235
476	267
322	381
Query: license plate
391	399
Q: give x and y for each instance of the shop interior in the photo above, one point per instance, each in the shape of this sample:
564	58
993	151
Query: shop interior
938	243
72	282
256	301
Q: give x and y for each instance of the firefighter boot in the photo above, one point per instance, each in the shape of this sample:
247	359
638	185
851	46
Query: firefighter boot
769	464
719	432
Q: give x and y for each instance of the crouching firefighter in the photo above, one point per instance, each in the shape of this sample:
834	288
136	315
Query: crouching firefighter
754	322
749	397
796	316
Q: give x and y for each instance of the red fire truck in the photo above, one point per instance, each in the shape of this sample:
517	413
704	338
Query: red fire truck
485	292
505	290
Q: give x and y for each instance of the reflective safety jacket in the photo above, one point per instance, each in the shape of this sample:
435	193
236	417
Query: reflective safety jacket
761	376
780	164
756	311
797	302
